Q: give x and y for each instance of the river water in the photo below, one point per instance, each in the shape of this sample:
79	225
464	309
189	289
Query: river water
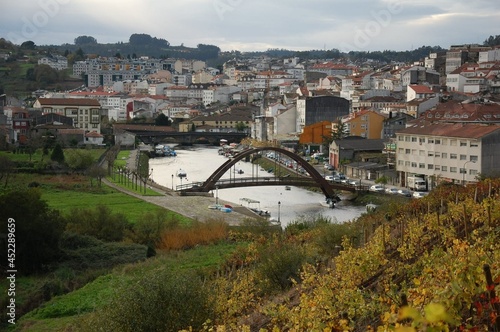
199	162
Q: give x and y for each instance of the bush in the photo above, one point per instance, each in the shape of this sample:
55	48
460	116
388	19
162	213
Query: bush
164	301
280	266
100	223
86	252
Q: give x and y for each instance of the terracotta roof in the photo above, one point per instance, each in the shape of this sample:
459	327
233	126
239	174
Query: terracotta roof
470	130
94	134
454	111
93	93
420	89
68	102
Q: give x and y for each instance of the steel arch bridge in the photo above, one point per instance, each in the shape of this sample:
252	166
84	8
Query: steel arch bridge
316	179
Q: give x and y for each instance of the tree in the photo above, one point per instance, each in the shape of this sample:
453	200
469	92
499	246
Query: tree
28	45
162	120
37	229
79	160
96	172
241	126
6	169
57	154
44	74
85	40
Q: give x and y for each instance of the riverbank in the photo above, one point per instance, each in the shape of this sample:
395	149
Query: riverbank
194	207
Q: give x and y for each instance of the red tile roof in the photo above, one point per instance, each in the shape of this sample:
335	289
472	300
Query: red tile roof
68	102
458	130
94	134
420	89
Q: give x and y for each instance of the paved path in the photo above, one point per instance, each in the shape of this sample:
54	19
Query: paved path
195	207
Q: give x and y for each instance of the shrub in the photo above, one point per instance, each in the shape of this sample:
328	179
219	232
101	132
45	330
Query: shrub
165	301
280	266
100	223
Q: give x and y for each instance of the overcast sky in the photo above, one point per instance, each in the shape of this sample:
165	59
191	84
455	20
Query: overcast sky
247	25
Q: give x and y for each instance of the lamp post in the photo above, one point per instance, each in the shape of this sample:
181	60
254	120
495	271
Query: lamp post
464	170
172	182
279	211
216	195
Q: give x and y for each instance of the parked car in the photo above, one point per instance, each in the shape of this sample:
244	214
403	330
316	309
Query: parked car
328	167
353	182
404	192
391	191
377	188
329	178
420	194
336	179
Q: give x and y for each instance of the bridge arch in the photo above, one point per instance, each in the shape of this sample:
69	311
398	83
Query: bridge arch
210	183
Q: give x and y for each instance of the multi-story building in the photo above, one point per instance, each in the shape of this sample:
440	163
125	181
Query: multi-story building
453	142
365	123
316	109
86	113
57	62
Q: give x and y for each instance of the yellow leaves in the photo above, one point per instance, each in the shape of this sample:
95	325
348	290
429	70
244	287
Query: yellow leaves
435	312
409	313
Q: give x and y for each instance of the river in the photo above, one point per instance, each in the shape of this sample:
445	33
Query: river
199	162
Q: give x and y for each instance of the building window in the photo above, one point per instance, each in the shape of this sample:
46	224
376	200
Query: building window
414	151
400	138
421	140
453	169
401	150
414	164
472	172
444	155
463	143
430	166
444	168
474	144
453	142
437	141
453	156
463	157
473	158
430	141
407	151
400	163
413	139
421	165
437	167
407	138
430	154
437	154
444	141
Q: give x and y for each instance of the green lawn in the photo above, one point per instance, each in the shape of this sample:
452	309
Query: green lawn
66	200
121	159
37	156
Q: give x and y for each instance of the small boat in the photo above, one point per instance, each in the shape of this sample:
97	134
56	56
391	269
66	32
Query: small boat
288	188
329	203
181	173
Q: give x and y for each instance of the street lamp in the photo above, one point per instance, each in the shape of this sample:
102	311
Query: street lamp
279	211
172	182
464	170
216	195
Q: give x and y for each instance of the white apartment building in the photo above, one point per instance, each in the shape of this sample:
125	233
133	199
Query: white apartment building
451	152
57	62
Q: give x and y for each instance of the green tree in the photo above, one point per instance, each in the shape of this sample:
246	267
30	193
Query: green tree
79	160
85	40
6	169
241	126
37	229
162	120
57	154
159	301
28	45
100	223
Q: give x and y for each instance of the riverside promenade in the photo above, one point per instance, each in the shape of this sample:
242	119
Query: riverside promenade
195	207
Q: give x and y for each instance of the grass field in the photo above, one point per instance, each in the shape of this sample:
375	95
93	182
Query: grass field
60	312
121	159
37	156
